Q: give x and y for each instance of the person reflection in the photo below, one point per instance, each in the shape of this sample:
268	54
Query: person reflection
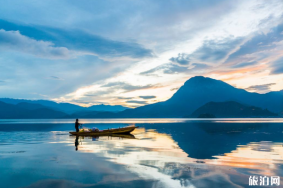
77	143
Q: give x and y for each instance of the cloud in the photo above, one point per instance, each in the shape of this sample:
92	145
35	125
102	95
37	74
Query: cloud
159	22
277	66
111	90
259	48
126	86
98	93
213	51
76	40
171	68
261	88
245	64
210	53
125	98
136	102
55	78
14	40
147	97
26	74
227	54
182	59
175	88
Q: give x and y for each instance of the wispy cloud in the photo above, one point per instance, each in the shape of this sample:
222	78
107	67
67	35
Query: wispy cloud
55	78
171	68
261	88
14	40
148	97
127	98
213	51
127	87
277	66
136	102
42	41
244	64
182	59
175	88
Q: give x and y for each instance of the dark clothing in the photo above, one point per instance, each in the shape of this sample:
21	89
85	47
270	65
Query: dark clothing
77	126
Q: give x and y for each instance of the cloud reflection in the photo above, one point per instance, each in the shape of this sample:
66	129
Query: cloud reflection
157	155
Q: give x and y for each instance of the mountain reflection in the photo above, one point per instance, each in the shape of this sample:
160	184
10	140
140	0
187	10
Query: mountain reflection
206	140
176	154
197	152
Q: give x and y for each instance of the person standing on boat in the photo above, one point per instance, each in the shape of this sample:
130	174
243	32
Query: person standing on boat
77	124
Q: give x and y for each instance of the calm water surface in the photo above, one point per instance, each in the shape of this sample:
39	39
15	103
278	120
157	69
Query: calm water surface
161	153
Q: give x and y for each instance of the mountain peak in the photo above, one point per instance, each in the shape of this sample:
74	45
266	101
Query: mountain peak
200	79
204	82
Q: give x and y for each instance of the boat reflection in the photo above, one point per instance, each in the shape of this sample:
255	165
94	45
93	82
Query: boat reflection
79	139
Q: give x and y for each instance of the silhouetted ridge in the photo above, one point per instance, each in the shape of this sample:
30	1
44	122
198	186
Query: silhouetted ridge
231	109
10	111
64	107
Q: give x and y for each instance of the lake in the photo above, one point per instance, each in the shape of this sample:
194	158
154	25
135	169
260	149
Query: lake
161	153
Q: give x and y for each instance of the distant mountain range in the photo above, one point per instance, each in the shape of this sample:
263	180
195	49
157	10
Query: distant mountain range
192	98
229	109
11	111
64	107
35	109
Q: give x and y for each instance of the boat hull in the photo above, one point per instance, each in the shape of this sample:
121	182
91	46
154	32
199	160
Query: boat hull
126	130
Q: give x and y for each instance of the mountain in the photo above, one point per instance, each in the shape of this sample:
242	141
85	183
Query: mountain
30	106
10	111
64	107
198	91
231	109
83	114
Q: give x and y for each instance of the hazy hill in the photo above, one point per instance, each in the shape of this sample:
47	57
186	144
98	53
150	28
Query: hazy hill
64	107
30	106
231	109
10	111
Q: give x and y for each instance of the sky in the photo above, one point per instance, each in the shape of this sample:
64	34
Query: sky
134	53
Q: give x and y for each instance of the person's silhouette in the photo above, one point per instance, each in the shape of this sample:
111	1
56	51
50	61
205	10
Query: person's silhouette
77	124
77	143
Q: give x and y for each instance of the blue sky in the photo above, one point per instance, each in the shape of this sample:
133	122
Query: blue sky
136	52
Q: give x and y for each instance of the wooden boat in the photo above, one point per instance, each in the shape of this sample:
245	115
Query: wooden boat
126	136
124	130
